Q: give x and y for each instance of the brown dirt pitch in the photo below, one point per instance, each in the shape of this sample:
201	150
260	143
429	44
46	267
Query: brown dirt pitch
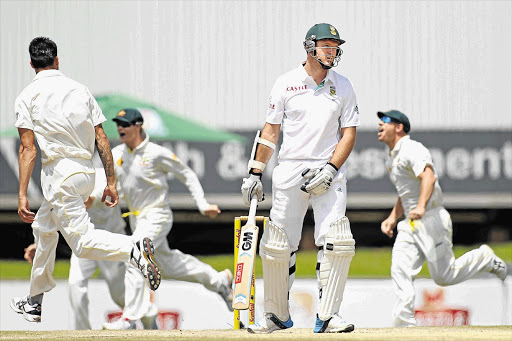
465	333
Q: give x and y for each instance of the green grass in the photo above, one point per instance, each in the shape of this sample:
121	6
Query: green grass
367	263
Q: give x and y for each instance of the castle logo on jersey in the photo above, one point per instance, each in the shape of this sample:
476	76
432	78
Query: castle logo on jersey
333	90
296	88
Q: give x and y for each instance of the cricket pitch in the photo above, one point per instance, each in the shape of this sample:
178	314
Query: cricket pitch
464	333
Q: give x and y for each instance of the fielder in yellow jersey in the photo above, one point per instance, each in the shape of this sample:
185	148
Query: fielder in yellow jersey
425	233
142	169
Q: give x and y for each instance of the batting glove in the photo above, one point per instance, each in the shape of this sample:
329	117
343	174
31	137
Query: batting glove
318	180
252	186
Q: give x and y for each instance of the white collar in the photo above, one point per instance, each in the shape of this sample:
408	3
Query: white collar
47	73
304	75
142	145
399	145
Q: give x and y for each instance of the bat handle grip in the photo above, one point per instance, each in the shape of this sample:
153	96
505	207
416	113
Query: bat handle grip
251	219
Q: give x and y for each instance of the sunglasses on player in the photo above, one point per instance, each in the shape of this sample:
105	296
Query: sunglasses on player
123	124
387	119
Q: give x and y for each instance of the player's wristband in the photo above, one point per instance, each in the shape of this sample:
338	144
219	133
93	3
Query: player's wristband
254	173
336	168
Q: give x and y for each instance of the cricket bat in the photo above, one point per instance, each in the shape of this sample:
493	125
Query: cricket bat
245	262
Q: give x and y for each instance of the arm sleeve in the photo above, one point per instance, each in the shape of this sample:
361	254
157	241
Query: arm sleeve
350	111
97	114
23	119
170	163
419	159
275	109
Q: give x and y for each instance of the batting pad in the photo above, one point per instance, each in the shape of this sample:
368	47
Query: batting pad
275	258
339	248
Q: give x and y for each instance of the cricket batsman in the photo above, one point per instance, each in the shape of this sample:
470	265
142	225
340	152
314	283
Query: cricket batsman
316	109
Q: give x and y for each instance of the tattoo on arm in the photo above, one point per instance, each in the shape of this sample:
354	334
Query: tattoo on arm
105	153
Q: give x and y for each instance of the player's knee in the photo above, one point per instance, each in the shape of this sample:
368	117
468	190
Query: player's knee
274	244
79	250
339	239
442	277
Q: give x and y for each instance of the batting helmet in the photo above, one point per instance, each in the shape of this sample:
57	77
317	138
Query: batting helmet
319	32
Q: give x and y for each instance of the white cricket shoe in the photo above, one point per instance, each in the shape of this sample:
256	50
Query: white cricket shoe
121	324
142	257
333	325
499	267
269	323
149	321
226	291
31	312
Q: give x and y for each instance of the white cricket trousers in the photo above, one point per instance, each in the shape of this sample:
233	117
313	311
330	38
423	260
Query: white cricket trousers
66	213
156	223
429	239
80	271
289	206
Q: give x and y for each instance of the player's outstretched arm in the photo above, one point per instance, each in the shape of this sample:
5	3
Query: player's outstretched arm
105	153
27	159
168	162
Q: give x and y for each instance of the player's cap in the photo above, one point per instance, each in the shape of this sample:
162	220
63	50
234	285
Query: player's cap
130	115
323	31
397	116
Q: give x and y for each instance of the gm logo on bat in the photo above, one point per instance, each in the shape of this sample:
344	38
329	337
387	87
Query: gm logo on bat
247	241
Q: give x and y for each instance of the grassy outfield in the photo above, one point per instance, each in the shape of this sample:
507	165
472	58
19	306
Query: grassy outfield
367	263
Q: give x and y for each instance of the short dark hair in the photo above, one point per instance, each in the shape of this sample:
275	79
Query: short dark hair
42	52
